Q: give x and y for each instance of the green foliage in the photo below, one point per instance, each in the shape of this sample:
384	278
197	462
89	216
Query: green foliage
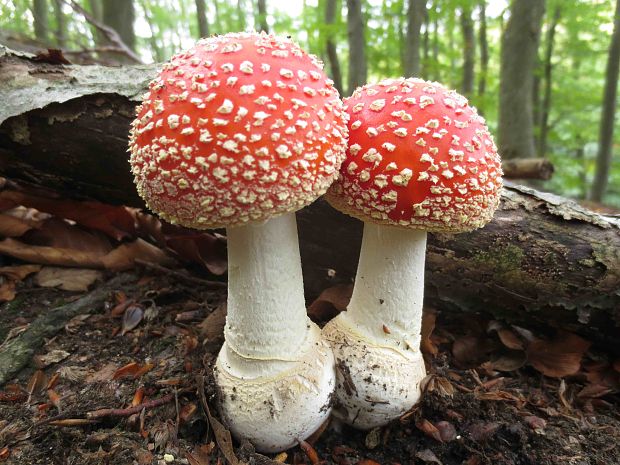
579	56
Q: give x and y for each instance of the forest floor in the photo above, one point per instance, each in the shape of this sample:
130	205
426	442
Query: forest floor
483	402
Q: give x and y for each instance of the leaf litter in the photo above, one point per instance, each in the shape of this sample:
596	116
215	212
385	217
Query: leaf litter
121	385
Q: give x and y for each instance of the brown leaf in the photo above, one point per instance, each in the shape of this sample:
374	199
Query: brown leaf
54	398
593	391
67	279
187	412
201	248
470	351
49	255
13	393
447	431
18	272
128	370
104	374
559	357
428	456
510	339
510	361
429	429
37	382
53	356
7	291
212	327
131	318
331	302
427	346
11	226
125	255
483	431
535	423
117	222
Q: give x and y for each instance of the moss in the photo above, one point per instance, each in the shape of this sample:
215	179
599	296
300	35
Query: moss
501	259
9	311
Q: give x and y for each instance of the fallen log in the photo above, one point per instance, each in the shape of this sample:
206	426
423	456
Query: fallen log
528	168
542	259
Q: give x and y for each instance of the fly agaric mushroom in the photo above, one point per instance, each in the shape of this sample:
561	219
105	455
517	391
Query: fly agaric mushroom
419	160
238	130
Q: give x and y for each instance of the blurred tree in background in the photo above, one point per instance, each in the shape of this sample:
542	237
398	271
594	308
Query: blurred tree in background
543	72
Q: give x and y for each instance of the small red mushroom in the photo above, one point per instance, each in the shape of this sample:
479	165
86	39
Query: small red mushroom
419	159
241	131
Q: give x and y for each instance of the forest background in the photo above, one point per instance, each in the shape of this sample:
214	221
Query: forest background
544	73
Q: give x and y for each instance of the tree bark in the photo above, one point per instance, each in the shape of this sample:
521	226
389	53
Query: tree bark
426	46
261	7
96	10
606	137
120	15
416	10
61	24
201	15
357	45
467	27
330	44
547	75
518	60
543	259
41	21
484	55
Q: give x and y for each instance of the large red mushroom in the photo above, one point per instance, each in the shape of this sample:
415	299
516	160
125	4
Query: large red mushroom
241	131
420	159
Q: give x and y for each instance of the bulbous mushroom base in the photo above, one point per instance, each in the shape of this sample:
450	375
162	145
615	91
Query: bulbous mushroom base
280	402
374	384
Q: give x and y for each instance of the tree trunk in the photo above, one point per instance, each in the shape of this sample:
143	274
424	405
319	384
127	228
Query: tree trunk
61	24
96	10
547	74
330	44
261	7
416	10
155	48
357	45
41	21
436	67
606	137
241	24
484	55
120	15
201	15
467	27
518	60
542	259
426	46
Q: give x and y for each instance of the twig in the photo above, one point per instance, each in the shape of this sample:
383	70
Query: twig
127	412
179	275
109	32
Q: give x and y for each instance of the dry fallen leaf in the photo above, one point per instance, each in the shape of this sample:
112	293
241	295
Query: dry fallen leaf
131	318
67	279
330	303
429	429
428	456
559	357
19	272
212	326
53	356
470	351
427	346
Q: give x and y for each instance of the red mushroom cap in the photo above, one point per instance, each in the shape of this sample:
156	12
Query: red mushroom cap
240	128
418	157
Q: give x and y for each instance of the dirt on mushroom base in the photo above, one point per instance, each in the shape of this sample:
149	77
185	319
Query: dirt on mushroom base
468	416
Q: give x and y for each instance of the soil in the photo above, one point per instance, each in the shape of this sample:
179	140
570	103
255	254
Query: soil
469	416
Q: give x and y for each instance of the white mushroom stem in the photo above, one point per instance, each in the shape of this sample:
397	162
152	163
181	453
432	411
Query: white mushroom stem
376	341
275	373
387	298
